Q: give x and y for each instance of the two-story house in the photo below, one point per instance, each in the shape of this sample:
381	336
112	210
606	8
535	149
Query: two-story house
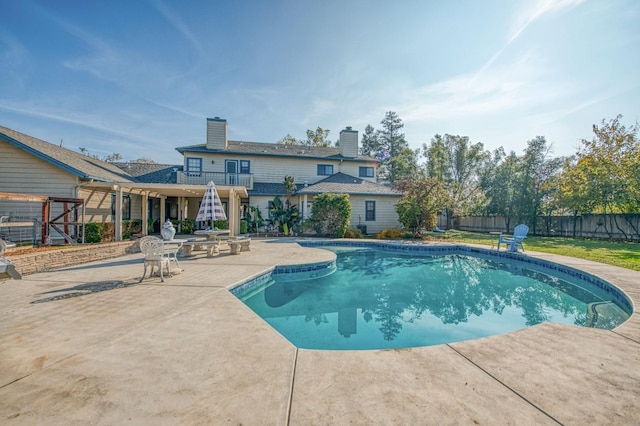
262	168
246	174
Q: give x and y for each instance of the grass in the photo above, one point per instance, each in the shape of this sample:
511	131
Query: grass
617	253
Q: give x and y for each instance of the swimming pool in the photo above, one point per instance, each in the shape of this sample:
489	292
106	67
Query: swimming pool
387	295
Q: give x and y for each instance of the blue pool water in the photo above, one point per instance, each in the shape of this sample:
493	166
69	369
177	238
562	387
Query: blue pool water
378	299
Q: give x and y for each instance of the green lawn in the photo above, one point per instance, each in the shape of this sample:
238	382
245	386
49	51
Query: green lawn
623	254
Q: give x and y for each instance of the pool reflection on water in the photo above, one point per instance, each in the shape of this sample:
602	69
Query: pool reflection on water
377	299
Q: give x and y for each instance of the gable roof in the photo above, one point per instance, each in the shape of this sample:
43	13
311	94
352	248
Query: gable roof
262	188
151	172
341	183
78	164
276	150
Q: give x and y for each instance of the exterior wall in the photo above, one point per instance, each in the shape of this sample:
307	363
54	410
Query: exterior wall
262	202
386	216
269	169
23	173
98	205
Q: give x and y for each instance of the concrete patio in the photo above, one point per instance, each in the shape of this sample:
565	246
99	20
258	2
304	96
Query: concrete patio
186	351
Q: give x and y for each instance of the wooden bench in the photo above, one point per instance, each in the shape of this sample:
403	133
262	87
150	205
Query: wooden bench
237	245
212	247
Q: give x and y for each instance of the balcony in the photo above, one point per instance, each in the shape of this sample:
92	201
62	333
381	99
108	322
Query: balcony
219	178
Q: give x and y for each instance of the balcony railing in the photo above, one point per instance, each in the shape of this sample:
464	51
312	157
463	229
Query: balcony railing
219	178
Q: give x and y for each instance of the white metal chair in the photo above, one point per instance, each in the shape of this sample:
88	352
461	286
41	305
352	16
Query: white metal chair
154	255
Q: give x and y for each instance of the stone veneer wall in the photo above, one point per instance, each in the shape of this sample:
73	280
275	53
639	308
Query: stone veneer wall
53	259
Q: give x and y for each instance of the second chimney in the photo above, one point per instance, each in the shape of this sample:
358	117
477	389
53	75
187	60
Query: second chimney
216	133
349	142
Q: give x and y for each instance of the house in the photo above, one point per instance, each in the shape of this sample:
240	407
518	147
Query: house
146	192
245	173
262	168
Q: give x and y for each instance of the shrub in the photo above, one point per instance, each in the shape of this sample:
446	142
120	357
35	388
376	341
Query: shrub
390	234
330	214
95	232
187	226
130	227
92	232
353	233
220	224
244	226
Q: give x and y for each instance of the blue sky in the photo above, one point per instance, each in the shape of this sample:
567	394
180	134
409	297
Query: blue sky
140	77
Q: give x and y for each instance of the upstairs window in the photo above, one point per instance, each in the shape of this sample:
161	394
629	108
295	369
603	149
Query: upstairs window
370	210
194	166
365	172
245	167
325	169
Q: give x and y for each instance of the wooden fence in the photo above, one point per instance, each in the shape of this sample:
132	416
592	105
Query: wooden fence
614	226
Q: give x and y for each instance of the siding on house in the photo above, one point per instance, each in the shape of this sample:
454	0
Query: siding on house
269	169
386	216
97	205
25	174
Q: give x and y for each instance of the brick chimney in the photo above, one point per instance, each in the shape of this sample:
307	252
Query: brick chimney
216	133
349	142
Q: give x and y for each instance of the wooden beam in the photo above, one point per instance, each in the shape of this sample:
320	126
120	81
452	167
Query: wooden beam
10	196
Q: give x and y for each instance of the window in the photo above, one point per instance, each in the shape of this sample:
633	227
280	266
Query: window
245	167
370	210
325	169
126	207
194	166
365	172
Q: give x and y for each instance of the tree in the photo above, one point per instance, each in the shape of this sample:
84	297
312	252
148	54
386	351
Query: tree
286	215
318	138
422	199
330	214
315	138
392	144
288	140
604	175
536	171
143	160
369	146
522	188
112	158
458	164
403	165
108	159
498	184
